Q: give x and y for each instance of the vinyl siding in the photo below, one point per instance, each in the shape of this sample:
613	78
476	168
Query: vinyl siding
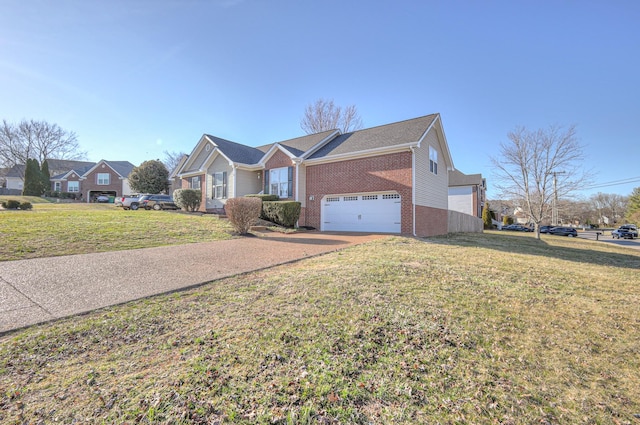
219	164
200	159
248	183
461	199
431	190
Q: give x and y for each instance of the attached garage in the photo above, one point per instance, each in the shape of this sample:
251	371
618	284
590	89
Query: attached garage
362	212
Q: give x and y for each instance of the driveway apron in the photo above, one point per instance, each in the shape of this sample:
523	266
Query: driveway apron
43	289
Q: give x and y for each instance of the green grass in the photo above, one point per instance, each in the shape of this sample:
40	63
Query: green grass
478	329
52	229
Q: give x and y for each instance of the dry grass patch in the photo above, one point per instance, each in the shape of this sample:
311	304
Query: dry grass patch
467	329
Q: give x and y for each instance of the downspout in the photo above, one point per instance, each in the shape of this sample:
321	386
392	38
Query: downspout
413	188
297	161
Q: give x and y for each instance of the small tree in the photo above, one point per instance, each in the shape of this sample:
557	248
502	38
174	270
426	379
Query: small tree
486	216
187	199
149	177
243	212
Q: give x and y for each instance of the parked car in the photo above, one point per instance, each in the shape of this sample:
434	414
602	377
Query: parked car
545	229
517	228
129	201
563	231
627	231
157	202
102	198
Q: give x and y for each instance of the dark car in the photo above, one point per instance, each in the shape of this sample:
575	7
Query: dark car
157	202
516	228
545	229
563	231
627	231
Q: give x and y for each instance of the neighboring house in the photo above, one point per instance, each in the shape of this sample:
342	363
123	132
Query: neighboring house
467	193
90	180
392	178
14	178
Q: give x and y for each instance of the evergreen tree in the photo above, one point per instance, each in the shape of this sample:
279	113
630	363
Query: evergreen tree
486	216
633	207
45	176
32	180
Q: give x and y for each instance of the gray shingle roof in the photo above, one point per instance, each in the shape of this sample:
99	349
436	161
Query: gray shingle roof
457	178
398	133
123	168
300	145
236	152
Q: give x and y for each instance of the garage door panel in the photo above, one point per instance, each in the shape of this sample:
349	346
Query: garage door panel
367	212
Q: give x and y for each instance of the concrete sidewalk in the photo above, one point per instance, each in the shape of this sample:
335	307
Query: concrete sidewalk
43	289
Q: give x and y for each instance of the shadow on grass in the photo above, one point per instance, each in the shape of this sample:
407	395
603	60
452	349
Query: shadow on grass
527	244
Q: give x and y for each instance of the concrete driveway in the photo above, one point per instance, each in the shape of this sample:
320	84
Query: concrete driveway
44	289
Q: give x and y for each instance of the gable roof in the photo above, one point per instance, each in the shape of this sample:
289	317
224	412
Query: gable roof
385	136
457	178
327	145
299	146
235	151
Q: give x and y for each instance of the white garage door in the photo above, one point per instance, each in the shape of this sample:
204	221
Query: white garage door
363	212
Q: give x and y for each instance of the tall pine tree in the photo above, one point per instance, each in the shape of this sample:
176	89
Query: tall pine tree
633	207
32	179
44	177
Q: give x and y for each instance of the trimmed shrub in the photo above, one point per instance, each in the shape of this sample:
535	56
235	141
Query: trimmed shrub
11	204
242	213
187	199
264	198
26	206
284	213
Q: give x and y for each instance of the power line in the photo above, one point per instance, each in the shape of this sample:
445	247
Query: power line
614	183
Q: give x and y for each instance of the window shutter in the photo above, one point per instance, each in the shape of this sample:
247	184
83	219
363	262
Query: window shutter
224	184
266	182
290	185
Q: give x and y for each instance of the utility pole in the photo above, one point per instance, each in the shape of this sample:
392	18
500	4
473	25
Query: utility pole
554	205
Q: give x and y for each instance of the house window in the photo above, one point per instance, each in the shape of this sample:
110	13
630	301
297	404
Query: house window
220	185
104	178
433	160
73	186
57	187
194	182
279	181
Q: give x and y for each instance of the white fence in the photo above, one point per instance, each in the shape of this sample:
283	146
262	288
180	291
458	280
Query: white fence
464	223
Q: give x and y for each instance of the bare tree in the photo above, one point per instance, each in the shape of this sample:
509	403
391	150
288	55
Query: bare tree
539	167
172	159
325	115
609	205
38	140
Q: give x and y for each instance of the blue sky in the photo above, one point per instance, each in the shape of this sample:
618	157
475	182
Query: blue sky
136	78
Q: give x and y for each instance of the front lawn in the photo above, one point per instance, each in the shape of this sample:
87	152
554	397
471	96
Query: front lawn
481	329
52	229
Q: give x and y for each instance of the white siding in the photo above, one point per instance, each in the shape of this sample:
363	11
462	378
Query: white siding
461	199
431	189
15	183
219	164
200	158
248	183
126	189
302	185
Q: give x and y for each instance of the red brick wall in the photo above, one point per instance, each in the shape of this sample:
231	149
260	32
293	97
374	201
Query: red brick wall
90	184
375	174
186	185
280	160
431	221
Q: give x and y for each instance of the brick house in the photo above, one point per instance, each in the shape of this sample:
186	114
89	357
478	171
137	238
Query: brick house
391	178
90	179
